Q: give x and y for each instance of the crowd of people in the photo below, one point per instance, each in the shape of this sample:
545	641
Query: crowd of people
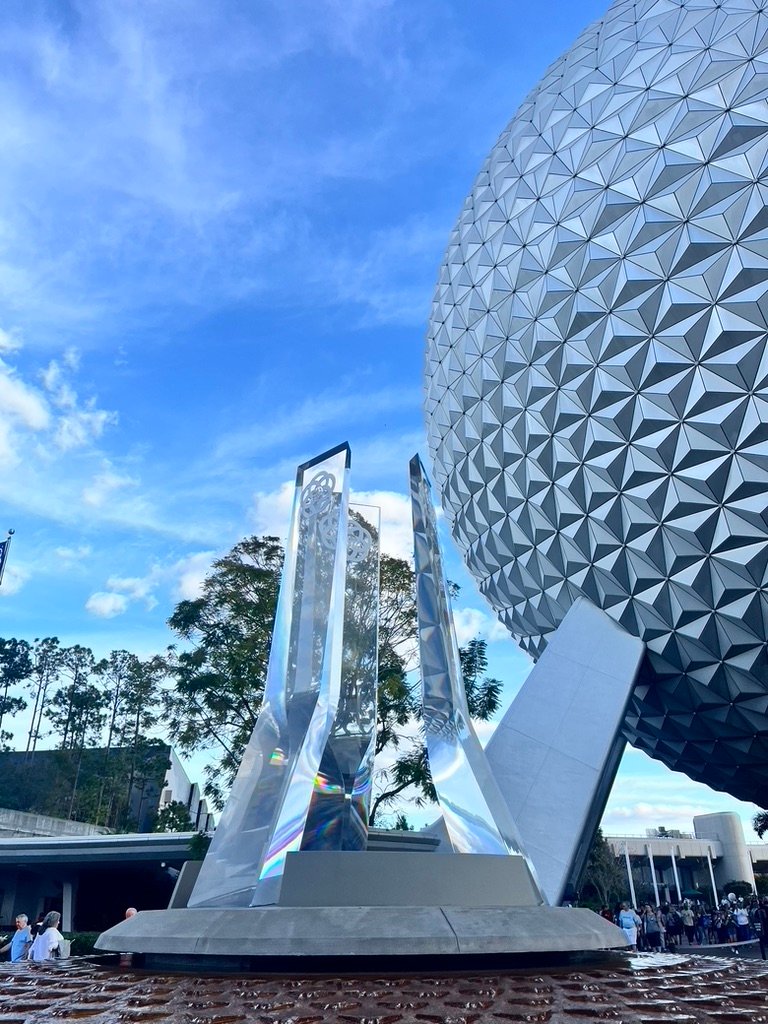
691	922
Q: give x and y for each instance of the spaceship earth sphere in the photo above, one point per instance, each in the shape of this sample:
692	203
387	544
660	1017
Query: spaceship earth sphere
597	374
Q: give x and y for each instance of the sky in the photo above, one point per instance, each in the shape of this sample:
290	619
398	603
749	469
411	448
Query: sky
220	230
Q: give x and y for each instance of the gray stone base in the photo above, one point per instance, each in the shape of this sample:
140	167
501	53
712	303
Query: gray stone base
357	932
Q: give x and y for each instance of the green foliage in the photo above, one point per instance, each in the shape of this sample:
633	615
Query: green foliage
15	667
761	885
80	782
174	817
397	700
82	943
219	677
604	876
198	845
483	694
760	823
739	887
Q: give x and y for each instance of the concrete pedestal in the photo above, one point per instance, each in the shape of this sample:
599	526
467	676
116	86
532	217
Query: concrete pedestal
456	907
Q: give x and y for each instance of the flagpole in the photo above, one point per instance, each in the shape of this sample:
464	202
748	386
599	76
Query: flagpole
4	553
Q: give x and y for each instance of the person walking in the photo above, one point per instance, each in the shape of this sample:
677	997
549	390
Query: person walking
46	945
653	927
629	922
689	922
20	941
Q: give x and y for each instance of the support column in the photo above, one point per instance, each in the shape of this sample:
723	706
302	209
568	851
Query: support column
653	873
677	877
711	874
629	877
68	895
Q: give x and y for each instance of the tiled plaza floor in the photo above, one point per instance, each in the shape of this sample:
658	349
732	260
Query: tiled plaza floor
646	989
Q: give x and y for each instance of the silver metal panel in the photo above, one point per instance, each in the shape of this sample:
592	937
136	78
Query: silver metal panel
474	810
597	376
266	813
555	753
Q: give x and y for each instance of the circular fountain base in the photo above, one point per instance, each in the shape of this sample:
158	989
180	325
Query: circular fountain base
452	937
449	910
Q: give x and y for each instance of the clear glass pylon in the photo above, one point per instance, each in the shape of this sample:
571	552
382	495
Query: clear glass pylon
338	813
266	813
475	813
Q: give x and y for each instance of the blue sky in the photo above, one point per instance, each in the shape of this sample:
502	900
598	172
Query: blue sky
220	228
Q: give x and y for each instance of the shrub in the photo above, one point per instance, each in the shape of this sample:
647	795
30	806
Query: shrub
82	943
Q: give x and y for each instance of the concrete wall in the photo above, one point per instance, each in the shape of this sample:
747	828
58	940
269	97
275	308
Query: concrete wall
21	823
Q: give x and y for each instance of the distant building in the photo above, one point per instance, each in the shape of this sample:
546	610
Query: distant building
703	861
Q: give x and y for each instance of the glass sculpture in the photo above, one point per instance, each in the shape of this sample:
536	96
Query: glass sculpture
266	815
338	812
474	810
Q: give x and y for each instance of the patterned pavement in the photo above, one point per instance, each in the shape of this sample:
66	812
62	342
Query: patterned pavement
644	989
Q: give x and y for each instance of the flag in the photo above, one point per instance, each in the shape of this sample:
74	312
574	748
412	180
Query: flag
4	546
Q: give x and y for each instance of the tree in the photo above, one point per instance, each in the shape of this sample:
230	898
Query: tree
738	887
174	817
219	679
760	823
15	667
132	693
76	710
46	660
603	875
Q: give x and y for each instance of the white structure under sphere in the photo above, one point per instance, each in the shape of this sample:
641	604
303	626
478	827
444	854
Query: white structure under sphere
597	374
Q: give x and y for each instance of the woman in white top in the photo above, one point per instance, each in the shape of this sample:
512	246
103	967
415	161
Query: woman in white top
46	945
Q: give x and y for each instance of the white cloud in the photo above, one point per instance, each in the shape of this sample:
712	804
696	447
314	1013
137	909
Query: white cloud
396	522
473	622
104	484
39	425
135	588
646	794
106	605
181	580
8	341
190	572
14	578
22	407
272	511
76	554
318	414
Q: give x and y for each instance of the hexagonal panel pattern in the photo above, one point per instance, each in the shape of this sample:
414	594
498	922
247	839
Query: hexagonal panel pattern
597	374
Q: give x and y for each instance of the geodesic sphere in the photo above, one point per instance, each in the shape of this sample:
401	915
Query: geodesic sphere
597	376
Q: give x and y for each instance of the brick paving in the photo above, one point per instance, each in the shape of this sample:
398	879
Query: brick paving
644	989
